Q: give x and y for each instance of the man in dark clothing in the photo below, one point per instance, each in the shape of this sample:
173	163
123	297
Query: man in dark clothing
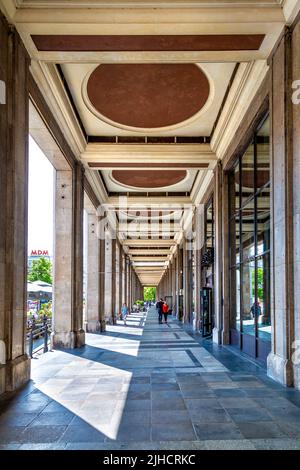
159	307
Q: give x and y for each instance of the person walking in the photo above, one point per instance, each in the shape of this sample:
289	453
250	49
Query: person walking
165	311
159	308
125	312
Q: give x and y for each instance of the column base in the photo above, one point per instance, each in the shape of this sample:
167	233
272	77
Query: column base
297	376
217	336
280	369
14	374
102	326
93	326
68	339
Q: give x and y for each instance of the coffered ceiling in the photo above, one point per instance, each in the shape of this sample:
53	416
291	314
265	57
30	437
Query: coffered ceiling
149	95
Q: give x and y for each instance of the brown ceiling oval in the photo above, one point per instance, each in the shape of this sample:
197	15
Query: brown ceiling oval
148	95
148	179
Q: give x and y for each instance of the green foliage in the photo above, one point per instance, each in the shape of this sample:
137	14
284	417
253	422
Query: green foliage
46	309
139	302
149	293
260	283
41	271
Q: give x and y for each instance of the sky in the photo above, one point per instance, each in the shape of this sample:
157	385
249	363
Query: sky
40	203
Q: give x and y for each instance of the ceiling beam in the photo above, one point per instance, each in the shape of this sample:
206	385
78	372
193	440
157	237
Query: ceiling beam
147	252
148	242
137	156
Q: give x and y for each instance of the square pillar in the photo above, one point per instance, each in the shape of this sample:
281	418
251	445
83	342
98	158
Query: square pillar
108	297
93	323
279	361
68	260
14	71
296	199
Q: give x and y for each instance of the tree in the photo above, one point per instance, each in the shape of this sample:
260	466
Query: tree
149	293
41	270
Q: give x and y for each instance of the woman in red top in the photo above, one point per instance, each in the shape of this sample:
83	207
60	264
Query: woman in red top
165	311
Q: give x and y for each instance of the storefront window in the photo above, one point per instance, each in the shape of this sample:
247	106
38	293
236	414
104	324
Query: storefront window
249	205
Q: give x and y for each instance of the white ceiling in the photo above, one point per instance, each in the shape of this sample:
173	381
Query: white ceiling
219	75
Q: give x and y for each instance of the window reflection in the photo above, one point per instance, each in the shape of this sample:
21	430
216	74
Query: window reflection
249	205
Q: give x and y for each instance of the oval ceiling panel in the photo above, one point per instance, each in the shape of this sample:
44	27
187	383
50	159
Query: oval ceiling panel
148	178
147	95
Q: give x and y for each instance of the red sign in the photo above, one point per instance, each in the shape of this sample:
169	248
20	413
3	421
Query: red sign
39	253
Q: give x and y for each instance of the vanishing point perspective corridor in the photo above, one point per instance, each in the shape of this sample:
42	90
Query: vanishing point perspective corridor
149	386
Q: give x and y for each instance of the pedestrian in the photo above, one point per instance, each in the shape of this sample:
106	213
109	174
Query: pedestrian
159	308
125	312
165	311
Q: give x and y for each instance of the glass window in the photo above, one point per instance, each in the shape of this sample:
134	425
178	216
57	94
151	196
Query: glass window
263	154
263	221
248	231
248	298
249	206
263	297
248	180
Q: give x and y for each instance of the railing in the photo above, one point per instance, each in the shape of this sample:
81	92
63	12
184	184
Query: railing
38	336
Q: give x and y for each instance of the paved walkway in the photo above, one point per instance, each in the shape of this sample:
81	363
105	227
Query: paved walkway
149	386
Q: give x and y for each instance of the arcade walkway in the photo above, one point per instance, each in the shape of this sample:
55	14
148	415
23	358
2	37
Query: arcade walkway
149	386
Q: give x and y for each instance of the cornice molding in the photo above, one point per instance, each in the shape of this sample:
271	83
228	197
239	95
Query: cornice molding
246	83
50	84
8	8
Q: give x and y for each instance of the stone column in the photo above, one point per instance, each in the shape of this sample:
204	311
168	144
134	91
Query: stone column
102	283
93	324
14	362
108	297
296	198
120	278
68	264
221	258
186	281
123	278
197	255
113	280
280	365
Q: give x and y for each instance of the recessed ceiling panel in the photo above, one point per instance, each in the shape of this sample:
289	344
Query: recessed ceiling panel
191	42
147	95
149	178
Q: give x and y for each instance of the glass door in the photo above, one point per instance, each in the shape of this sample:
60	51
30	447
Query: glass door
249	205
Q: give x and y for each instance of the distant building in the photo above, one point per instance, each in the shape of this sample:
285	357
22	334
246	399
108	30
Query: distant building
37	254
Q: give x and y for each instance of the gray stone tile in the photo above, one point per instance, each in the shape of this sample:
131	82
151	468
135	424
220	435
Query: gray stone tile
260	430
82	433
248	415
235	402
217	431
202	404
16	419
229	393
169	417
210	416
165	394
138	395
42	434
133	432
164	386
51	419
11	435
137	405
170	404
171	432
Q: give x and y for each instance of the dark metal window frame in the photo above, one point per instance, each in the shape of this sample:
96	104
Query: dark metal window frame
232	219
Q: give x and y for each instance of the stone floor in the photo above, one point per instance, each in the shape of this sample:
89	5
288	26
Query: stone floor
149	386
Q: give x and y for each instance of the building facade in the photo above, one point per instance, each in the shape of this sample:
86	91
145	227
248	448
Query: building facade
201	202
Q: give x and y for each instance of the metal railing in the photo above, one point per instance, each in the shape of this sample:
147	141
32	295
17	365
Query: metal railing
38	336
